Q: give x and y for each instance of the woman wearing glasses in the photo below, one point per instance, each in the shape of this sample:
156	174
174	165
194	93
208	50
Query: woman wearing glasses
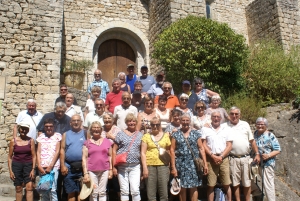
201	119
172	101
144	117
183	105
215	106
202	93
155	171
90	103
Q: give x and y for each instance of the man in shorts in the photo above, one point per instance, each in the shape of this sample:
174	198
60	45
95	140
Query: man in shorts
240	154
217	141
71	157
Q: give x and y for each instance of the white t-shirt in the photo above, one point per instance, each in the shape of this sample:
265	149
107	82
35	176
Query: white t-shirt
241	135
23	116
73	109
120	113
91	117
217	139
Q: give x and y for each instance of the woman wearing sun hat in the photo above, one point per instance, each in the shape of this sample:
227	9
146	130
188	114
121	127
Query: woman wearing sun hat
21	161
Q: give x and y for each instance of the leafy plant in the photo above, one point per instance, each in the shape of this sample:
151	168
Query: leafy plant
199	47
78	66
273	75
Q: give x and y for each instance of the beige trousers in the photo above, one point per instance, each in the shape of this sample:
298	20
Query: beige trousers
268	179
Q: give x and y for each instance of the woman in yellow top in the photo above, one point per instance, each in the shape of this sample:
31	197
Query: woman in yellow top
155	172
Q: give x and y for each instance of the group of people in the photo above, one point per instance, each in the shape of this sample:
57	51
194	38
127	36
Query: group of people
116	141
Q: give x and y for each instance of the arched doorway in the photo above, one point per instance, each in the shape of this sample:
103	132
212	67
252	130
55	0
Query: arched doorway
113	57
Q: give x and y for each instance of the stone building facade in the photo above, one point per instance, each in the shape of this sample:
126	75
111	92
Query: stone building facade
38	36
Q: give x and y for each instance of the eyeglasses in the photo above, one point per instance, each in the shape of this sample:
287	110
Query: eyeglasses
198	83
126	98
184	99
200	107
157	125
234	114
148	103
216	117
99	105
97	74
63	89
168	88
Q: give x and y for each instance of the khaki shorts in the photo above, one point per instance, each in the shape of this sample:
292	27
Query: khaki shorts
239	171
221	171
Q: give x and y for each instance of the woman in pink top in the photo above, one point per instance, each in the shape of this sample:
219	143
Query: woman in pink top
96	161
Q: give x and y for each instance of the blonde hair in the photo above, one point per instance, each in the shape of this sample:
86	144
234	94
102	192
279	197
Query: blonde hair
94	123
130	117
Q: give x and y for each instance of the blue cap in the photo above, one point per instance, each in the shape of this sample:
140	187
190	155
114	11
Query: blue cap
186	82
144	67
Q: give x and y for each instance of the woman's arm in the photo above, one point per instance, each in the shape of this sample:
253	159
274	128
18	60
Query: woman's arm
114	153
211	93
55	157
110	163
172	152
128	87
9	160
33	153
143	158
203	155
139	122
38	159
86	177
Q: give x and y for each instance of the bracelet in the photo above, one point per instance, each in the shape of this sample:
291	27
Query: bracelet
257	153
269	156
85	173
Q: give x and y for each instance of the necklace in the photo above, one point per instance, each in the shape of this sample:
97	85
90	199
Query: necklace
97	142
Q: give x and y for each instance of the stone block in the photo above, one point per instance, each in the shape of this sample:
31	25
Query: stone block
53	67
7	59
39	55
43	89
2	64
31	73
50	55
24	81
46	49
27	54
9	72
35	81
20	59
12	52
25	66
12	80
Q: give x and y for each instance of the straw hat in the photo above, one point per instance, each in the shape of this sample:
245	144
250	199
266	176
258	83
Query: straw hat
254	171
175	186
86	189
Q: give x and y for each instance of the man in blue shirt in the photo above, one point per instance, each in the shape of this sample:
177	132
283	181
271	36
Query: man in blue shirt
147	80
131	77
156	89
99	82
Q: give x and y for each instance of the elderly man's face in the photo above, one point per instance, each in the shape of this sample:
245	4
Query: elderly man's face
130	70
160	79
97	75
167	89
234	116
116	86
69	100
63	91
99	105
60	112
31	108
76	123
126	99
144	71
186	88
216	119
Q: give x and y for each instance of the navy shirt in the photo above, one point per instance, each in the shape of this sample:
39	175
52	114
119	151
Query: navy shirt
60	125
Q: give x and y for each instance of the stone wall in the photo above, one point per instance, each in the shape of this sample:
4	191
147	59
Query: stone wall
30	37
182	8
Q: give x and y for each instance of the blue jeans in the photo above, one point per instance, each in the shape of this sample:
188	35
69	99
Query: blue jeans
129	174
52	195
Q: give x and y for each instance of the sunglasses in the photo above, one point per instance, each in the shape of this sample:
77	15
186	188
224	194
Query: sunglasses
99	105
234	114
200	107
157	125
97	74
198	83
184	99
63	89
167	88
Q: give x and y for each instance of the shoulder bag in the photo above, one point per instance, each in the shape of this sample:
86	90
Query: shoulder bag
197	161
163	155
122	158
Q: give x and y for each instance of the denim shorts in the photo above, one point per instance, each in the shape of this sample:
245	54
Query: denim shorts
21	172
71	181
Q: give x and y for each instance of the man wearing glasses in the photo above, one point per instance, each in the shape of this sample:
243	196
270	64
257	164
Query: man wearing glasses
240	153
96	115
63	92
193	98
98	81
172	101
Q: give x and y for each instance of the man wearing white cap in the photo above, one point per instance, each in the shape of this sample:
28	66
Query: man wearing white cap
32	116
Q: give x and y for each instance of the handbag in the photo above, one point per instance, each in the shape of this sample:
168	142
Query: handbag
45	183
197	161
122	158
163	155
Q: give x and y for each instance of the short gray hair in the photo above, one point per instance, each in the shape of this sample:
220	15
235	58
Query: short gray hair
216	112
198	80
108	114
262	119
235	108
183	95
167	83
216	97
116	80
185	115
60	105
31	101
121	73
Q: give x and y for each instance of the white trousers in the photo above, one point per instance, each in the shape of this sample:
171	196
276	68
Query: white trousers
268	179
100	179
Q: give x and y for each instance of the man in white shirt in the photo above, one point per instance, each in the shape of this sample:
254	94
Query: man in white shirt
71	108
121	111
30	116
217	141
96	115
240	153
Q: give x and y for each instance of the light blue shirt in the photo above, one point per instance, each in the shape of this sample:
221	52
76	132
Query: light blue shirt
104	88
156	90
147	82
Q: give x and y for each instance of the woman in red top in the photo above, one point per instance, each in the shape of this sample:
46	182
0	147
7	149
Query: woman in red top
21	161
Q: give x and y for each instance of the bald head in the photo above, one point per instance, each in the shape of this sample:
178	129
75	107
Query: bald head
97	75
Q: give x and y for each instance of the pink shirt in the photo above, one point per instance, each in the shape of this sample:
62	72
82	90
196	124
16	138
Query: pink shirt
98	156
113	100
48	148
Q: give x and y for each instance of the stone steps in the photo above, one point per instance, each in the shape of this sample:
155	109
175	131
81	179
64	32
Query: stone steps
7	190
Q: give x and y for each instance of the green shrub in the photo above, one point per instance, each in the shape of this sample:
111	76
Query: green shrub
251	108
199	47
273	75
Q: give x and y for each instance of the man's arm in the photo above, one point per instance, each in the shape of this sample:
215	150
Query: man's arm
255	149
63	168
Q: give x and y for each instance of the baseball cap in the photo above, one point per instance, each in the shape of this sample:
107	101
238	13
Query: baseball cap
144	67
186	82
130	65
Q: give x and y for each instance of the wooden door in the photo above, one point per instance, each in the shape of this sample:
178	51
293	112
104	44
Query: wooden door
113	58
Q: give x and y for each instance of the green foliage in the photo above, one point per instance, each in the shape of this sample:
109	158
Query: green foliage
250	107
199	47
78	65
273	75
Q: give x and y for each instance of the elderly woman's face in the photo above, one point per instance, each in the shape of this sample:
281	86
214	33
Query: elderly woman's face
155	126
185	122
122	78
149	105
200	109
198	86
107	121
176	118
183	102
23	130
131	124
95	94
96	130
261	127
215	103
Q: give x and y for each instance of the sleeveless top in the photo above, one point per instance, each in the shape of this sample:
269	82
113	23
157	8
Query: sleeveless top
22	154
74	143
202	96
131	82
164	118
124	88
146	124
